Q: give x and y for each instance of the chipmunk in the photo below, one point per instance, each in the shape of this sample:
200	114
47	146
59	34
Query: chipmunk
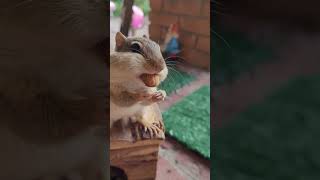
137	67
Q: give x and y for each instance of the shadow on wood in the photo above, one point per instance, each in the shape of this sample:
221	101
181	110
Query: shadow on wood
117	174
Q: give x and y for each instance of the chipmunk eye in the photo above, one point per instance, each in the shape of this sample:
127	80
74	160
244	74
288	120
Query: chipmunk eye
135	47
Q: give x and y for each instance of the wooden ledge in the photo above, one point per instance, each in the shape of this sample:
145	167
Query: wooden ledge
115	145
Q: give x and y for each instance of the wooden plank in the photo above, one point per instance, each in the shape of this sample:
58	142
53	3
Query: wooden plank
126	155
138	163
114	145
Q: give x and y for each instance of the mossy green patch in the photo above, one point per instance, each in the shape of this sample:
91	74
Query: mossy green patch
176	79
189	121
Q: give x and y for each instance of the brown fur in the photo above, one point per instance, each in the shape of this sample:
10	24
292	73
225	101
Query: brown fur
130	97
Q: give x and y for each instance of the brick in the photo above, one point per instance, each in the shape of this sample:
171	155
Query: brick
205	10
196	25
203	44
157	33
163	19
184	7
163	32
188	40
156	5
196	58
154	32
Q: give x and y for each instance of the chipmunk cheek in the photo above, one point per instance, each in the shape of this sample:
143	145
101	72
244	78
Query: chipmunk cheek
163	74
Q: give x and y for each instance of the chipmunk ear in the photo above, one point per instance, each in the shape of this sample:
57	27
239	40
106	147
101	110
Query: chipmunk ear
120	40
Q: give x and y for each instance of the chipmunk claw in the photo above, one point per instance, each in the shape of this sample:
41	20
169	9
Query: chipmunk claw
152	128
159	96
161	126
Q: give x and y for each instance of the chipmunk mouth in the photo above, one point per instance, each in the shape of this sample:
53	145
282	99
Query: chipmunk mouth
150	80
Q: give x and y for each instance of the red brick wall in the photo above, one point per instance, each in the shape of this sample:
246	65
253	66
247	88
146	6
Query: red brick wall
193	17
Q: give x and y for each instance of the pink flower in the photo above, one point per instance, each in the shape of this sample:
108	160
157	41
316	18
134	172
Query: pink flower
112	6
137	17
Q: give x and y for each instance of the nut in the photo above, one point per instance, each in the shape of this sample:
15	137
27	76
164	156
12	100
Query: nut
150	80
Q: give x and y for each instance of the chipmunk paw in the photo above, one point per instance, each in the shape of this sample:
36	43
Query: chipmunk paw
154	128
150	98
158	96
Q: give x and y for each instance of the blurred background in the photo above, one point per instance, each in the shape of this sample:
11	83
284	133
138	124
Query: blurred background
266	84
182	28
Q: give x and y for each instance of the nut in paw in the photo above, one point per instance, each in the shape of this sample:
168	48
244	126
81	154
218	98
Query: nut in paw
150	80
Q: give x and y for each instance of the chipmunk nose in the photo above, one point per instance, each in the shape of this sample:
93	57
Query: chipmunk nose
159	67
155	67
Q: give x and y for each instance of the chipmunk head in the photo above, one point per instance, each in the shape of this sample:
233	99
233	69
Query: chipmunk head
141	56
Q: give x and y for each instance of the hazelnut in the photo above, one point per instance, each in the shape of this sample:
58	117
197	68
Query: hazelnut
150	80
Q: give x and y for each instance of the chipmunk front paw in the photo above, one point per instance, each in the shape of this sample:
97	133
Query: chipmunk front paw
149	98
144	95
158	96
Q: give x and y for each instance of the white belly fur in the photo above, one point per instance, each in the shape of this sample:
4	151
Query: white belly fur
20	160
117	112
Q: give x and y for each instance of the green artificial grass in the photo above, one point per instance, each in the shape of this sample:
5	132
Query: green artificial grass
233	53
278	139
189	121
176	79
